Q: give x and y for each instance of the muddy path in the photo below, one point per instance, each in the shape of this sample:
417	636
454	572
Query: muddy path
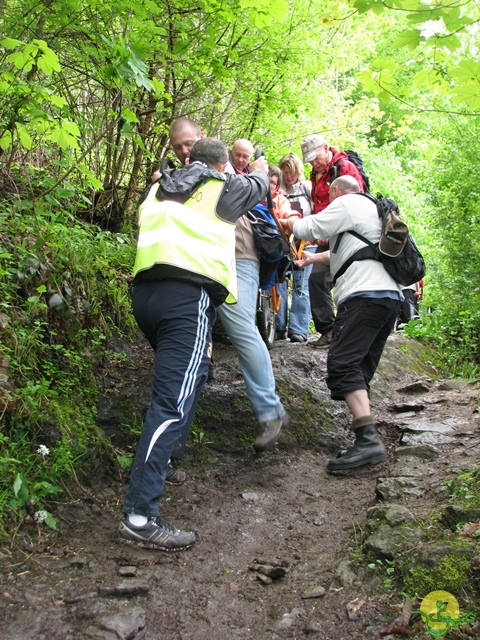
274	531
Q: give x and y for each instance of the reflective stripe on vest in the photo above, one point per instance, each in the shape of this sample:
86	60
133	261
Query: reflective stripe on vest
189	236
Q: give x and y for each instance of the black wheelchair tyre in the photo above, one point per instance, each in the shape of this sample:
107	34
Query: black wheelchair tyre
266	317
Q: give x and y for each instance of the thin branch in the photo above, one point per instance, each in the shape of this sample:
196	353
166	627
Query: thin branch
425	110
67	173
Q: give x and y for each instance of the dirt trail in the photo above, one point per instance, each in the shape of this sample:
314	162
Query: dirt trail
279	514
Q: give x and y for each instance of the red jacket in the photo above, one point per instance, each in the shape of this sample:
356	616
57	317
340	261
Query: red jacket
321	181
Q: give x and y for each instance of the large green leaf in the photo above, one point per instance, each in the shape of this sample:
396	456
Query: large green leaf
48	62
410	39
20	488
10	43
466	71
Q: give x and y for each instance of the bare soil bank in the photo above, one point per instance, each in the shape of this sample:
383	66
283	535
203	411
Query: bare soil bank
273	530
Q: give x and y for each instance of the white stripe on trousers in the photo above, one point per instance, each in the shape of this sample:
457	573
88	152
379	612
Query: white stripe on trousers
188	385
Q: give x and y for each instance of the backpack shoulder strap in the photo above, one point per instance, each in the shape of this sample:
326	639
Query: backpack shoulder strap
354	233
334	170
306	192
369	196
367	253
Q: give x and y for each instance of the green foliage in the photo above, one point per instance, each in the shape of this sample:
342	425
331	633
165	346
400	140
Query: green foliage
451	227
386	569
29	496
91	108
63	296
356	547
465	488
29	106
24	487
440	45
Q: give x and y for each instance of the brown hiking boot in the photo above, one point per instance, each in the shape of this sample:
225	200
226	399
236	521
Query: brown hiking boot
324	341
269	432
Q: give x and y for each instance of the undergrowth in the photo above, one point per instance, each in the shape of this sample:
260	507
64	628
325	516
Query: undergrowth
465	489
63	296
455	335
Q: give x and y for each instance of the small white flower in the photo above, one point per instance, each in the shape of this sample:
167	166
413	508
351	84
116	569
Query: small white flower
40	516
43	450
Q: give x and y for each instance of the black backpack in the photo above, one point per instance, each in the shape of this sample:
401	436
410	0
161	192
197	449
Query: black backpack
408	266
357	161
268	243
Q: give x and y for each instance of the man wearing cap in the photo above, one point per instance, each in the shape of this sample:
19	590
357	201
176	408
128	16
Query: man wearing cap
323	158
368	301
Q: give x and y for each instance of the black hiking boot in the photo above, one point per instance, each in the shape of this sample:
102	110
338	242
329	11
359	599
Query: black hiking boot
368	449
156	534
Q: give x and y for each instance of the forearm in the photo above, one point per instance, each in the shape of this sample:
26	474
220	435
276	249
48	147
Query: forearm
313	258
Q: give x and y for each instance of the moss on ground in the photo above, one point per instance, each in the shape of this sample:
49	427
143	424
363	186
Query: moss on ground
451	574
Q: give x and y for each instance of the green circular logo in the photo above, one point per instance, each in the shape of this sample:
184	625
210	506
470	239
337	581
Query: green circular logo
440	612
439	609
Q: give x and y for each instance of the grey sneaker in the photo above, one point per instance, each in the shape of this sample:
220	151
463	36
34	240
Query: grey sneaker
156	534
175	475
269	432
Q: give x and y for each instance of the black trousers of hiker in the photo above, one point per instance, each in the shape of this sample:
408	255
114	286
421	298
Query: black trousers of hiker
321	303
177	317
360	332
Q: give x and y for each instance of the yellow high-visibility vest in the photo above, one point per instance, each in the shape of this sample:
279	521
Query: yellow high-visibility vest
190	236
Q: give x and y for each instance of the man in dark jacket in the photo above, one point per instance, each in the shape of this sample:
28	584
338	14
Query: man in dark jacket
184	268
239	320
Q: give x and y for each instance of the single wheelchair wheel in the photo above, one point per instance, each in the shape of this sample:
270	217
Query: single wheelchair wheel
266	317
